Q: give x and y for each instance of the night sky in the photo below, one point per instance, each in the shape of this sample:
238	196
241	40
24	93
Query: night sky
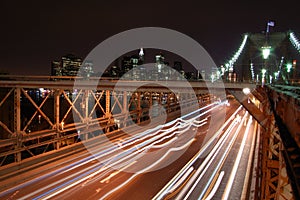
33	33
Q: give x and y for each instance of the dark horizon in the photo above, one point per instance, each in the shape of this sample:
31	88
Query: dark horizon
34	34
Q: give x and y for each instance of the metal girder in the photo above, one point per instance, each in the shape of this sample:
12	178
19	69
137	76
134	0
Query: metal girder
97	102
56	105
126	85
291	150
38	110
17	122
249	105
72	106
275	183
57	110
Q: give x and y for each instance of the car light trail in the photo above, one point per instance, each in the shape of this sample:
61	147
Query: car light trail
220	163
105	180
165	190
182	179
148	168
237	162
216	186
155	136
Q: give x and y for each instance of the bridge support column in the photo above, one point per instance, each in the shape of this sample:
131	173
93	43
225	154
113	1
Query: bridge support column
125	108
85	105
107	109
107	103
139	110
56	117
17	123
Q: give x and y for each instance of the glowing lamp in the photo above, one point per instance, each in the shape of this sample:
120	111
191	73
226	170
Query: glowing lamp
263	71
266	52
246	91
289	67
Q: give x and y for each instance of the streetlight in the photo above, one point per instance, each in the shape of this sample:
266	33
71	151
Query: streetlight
222	70
263	71
289	67
212	77
246	91
218	74
266	51
276	74
271	78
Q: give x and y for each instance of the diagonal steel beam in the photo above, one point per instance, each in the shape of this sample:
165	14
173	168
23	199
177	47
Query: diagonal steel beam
97	99
6	96
72	105
258	115
37	107
36	111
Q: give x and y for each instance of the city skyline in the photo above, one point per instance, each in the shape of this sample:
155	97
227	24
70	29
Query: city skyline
35	34
69	64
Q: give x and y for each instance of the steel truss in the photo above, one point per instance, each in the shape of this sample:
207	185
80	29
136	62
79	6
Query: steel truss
37	121
275	183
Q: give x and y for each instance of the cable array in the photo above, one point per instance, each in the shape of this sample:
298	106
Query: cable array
295	41
230	63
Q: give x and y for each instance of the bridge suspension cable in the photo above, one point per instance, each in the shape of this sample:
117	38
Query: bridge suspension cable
295	41
229	64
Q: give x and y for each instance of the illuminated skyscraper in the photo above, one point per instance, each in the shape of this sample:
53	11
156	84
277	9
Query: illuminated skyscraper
67	66
141	55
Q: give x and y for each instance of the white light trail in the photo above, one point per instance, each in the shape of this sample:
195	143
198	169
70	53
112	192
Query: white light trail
225	154
165	190
144	135
216	186
105	180
148	168
181	180
180	123
191	185
237	162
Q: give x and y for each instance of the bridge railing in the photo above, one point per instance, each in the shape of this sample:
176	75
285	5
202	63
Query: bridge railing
35	120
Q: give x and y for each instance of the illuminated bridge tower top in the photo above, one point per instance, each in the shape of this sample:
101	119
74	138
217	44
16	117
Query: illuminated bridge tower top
265	57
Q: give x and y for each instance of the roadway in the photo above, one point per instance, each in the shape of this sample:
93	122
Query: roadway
184	158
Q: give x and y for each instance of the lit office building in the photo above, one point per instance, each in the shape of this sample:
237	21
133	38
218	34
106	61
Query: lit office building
69	65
